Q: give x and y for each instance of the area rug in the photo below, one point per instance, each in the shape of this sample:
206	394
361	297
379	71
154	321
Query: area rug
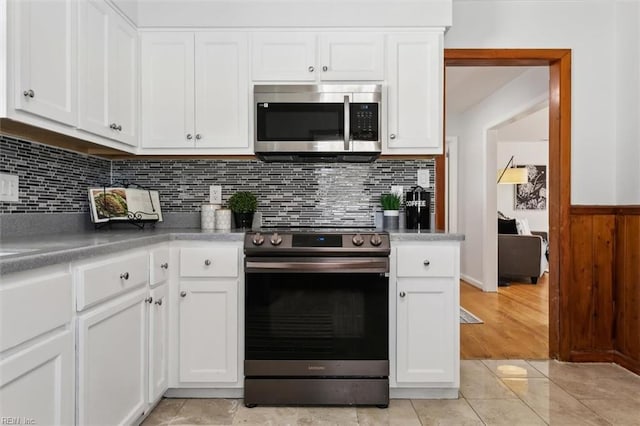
467	317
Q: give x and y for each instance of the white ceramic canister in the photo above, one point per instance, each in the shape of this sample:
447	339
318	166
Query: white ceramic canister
223	219
208	216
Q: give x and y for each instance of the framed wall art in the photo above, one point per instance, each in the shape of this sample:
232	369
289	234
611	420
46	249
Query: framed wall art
533	194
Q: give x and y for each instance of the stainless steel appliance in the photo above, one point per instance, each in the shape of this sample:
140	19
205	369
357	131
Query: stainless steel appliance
317	122
316	318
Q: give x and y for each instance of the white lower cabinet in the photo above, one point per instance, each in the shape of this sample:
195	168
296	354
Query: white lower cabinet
112	361
158	342
37	383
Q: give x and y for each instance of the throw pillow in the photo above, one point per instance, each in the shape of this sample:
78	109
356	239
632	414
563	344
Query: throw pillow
507	226
523	227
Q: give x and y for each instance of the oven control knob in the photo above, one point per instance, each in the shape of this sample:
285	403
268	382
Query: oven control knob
357	240
258	239
276	239
376	240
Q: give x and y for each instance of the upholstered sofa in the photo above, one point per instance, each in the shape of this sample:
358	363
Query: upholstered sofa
522	256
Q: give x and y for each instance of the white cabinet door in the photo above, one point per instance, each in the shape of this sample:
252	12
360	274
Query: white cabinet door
414	93
426	333
284	56
167	92
351	56
112	361
45	59
123	80
222	90
37	384
209	331
158	342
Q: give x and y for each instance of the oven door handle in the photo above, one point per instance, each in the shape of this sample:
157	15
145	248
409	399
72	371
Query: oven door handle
368	265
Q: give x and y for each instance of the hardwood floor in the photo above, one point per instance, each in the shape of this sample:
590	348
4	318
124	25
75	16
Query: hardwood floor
516	322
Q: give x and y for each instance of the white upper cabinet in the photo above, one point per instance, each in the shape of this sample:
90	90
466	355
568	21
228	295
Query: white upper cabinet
195	91
414	94
107	54
305	56
45	59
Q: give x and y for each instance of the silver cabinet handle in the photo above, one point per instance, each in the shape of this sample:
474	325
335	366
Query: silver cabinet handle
403	294
198	136
311	69
113	126
325	68
165	265
183	294
29	93
149	300
207	262
124	276
426	262
159	302
189	136
392	136
119	128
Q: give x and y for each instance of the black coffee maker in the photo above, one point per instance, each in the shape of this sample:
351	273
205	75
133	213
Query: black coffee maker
417	208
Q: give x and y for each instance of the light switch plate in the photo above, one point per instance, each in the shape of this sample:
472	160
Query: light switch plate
8	187
423	178
215	194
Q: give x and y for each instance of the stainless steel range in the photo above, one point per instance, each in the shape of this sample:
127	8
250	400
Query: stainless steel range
316	317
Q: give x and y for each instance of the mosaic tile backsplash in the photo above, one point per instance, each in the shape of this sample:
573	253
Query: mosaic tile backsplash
289	194
53	180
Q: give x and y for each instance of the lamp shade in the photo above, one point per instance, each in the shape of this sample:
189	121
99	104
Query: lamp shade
513	175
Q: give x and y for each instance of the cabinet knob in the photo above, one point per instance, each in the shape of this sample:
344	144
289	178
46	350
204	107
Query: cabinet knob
149	300
198	136
403	294
165	265
124	276
119	128
311	69
113	126
159	302
325	68
426	262
207	262
189	136
29	93
392	136
183	294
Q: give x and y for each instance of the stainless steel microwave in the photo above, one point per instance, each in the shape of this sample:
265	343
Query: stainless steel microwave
317	122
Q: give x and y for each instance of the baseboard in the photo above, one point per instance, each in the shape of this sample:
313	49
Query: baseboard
626	362
472	281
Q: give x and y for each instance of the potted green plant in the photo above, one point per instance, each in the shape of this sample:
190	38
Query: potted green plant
243	204
390	203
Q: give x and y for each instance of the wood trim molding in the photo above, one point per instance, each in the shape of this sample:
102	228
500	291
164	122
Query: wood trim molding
559	63
608	210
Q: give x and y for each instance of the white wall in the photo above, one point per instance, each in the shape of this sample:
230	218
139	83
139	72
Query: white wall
602	137
524	153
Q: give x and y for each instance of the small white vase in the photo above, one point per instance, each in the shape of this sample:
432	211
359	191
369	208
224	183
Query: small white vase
391	219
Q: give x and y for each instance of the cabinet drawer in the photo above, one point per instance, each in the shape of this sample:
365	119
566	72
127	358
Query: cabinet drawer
426	261
159	270
102	280
209	262
32	307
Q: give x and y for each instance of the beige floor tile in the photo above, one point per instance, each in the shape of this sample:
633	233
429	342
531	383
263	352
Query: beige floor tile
506	412
600	388
580	371
512	368
445	412
477	382
553	404
266	416
400	413
164	412
206	412
326	416
616	411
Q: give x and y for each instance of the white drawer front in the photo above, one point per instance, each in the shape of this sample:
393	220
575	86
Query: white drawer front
31	307
102	280
159	262
426	261
209	262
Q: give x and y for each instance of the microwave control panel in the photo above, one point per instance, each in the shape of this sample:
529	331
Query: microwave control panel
363	121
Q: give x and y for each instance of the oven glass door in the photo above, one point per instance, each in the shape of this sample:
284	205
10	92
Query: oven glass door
316	316
299	122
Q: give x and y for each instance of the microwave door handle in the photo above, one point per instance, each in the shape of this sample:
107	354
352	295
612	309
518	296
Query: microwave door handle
347	127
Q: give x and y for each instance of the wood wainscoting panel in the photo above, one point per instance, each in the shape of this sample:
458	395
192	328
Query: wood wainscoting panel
627	290
590	289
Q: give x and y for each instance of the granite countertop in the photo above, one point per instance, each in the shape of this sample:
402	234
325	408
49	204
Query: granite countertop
25	253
